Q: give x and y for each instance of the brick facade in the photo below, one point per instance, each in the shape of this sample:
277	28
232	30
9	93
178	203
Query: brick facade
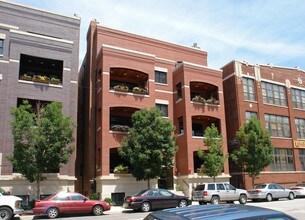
237	105
43	37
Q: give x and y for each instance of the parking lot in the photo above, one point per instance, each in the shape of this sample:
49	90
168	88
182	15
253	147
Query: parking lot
294	208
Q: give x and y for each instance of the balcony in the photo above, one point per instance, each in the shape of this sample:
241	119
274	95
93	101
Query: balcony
200	123
204	93
120	119
128	81
40	70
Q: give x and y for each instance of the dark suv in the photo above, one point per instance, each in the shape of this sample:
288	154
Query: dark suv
216	192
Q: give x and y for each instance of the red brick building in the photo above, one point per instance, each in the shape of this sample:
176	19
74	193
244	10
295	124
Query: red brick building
276	96
124	72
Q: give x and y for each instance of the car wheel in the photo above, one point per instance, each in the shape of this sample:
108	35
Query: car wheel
269	197
6	213
97	210
215	200
242	199
202	203
145	207
182	203
53	212
291	196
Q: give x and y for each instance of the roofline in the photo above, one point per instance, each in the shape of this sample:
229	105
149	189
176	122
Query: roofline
38	9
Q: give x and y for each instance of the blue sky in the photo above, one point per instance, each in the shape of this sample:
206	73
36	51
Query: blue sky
257	31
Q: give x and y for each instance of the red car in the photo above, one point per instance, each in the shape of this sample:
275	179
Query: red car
69	203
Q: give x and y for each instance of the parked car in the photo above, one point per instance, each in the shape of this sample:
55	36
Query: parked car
217	192
69	203
221	211
269	192
299	190
147	200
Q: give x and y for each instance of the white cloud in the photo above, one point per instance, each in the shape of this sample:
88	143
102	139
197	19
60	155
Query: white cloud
263	31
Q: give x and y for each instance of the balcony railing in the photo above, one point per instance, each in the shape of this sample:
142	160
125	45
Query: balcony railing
135	90
201	100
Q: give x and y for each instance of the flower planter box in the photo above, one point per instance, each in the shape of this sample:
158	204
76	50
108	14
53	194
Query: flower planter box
41	79
26	77
121	88
139	90
198	99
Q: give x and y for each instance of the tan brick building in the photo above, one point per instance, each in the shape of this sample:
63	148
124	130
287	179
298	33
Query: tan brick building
124	72
276	96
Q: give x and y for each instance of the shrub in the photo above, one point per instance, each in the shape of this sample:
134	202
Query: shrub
108	200
94	196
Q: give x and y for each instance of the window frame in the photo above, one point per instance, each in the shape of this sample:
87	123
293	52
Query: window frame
298	98
302	159
160	77
278	126
1	47
163	108
249	89
274	94
300	127
283	160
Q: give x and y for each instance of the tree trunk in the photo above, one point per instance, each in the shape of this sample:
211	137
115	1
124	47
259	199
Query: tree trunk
148	184
252	179
214	179
38	189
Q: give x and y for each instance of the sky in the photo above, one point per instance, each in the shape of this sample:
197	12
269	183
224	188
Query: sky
256	31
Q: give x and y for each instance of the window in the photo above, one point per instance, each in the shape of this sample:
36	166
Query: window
179	91
163	108
302	159
282	160
277	126
298	98
160	77
220	186
181	127
76	197
211	186
274	94
249	92
197	130
1	47
300	125
250	115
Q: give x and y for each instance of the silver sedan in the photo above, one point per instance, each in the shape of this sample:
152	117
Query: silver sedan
269	192
299	190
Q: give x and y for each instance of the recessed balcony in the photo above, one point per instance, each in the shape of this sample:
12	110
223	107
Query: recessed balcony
120	118
204	93
128	81
40	70
200	123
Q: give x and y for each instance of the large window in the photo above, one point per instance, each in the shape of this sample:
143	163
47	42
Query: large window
1	47
250	115
300	125
274	94
179	91
249	91
160	77
181	126
302	159
163	108
282	160
298	98
278	126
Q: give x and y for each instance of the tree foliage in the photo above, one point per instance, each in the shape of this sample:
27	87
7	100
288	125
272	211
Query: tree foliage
255	148
150	146
213	158
41	140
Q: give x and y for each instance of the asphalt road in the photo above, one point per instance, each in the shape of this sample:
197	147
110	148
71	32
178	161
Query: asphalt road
295	208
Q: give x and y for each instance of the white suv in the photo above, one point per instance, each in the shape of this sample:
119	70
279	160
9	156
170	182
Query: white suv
216	192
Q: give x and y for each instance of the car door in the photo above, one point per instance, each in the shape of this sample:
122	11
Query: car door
153	196
62	202
221	190
281	191
273	190
230	192
80	204
167	199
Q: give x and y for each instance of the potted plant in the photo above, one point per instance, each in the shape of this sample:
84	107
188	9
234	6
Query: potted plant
121	88
138	90
26	77
121	169
41	79
198	98
55	80
212	101
200	170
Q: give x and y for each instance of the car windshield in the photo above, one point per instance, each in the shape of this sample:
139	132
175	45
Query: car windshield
260	186
140	193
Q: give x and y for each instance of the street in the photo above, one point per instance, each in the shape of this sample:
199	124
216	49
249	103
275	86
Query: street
294	208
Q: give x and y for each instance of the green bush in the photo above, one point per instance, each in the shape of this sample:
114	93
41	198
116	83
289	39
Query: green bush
108	200
32	203
94	196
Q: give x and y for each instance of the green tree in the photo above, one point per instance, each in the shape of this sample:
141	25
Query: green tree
213	158
41	140
150	147
255	148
